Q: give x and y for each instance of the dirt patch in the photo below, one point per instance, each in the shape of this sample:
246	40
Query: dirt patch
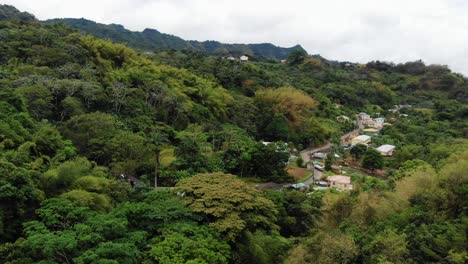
298	173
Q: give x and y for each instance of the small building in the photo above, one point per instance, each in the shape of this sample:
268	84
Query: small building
283	61
342	118
362	139
371	130
364	116
320	155
386	150
322	183
379	120
340	182
231	58
244	58
318	167
299	187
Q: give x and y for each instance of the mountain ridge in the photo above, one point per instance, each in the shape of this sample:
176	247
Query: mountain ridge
152	39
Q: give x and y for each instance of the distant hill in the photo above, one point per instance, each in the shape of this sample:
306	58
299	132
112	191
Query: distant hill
152	39
8	12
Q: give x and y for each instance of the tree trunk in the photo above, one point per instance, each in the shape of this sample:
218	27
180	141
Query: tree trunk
156	170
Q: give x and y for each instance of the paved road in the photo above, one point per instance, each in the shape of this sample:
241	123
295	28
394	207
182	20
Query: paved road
307	153
315	177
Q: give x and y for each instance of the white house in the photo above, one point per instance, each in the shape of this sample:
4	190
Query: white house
362	139
386	150
244	58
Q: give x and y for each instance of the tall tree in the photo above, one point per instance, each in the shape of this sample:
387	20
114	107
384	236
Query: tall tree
157	139
372	160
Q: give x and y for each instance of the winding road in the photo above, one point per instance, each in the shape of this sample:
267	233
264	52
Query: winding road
307	154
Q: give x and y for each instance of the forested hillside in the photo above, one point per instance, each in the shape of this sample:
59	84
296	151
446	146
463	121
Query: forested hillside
153	40
111	155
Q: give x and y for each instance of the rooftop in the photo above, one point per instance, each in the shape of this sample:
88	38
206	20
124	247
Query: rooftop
340	179
299	185
363	137
385	148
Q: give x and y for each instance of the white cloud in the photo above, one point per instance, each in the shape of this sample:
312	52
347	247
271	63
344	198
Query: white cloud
435	31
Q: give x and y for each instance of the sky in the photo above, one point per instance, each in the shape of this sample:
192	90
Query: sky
435	31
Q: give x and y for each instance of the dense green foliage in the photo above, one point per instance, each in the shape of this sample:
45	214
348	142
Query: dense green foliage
88	127
423	219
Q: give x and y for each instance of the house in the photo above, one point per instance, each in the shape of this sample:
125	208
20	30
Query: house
299	187
386	150
364	116
231	58
366	120
283	61
244	58
318	167
342	118
345	139
362	139
379	120
340	182
320	155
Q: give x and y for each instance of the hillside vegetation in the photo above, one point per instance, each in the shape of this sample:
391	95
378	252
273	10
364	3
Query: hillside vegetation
89	127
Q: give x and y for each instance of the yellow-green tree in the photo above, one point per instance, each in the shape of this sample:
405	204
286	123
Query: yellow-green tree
294	104
228	204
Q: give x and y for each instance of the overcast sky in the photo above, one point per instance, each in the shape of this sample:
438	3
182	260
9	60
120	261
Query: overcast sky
435	31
